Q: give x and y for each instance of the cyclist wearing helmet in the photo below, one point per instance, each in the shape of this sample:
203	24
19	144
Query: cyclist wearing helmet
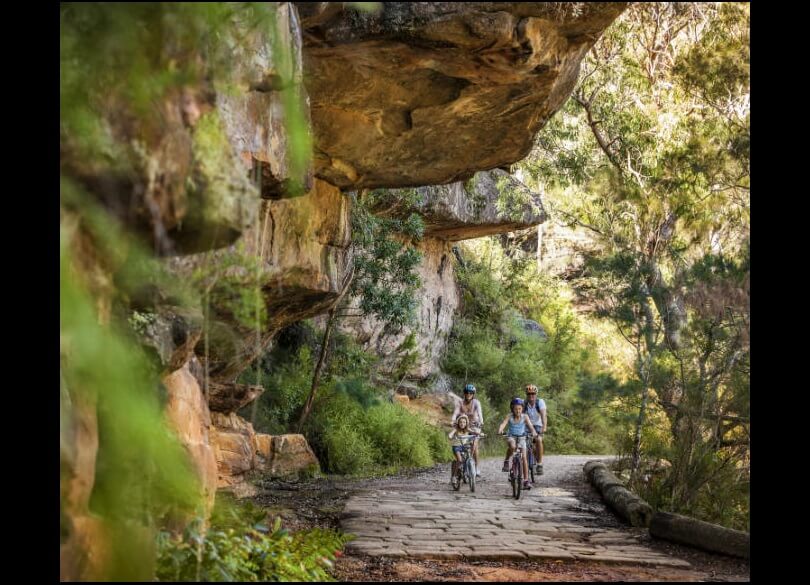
471	407
519	424
536	411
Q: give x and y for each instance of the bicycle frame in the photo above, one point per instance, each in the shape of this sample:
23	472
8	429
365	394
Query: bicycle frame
464	470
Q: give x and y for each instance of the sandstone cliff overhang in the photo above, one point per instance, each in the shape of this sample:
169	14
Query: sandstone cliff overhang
427	93
491	202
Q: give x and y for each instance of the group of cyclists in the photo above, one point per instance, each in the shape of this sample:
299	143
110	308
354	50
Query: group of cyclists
526	417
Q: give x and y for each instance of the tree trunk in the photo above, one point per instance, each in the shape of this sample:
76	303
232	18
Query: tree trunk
692	532
642	412
625	503
539	246
316	377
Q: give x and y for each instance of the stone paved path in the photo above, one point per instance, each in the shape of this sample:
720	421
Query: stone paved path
427	519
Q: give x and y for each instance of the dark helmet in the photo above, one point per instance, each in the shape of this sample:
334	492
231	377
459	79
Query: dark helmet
515	401
469	388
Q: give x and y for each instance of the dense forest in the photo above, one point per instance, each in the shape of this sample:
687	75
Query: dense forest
639	342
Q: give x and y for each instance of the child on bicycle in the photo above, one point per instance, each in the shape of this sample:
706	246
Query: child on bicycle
519	424
461	427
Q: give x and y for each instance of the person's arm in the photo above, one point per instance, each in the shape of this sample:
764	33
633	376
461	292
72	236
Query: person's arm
456	412
480	414
452	434
503	425
543	415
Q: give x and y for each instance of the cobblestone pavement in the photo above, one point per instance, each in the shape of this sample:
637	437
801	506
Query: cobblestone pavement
424	518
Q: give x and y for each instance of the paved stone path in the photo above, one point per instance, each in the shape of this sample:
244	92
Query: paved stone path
427	519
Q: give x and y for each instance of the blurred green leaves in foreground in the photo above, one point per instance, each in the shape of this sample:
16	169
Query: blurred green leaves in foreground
142	474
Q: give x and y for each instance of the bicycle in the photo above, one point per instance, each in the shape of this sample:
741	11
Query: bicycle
516	468
530	456
464	471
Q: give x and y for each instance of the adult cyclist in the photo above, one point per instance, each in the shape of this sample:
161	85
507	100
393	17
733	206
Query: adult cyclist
471	407
536	409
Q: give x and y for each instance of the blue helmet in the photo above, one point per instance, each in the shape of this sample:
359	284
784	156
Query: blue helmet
469	388
515	401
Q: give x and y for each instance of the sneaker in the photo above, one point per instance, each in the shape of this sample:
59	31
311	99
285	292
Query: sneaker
477	473
539	469
505	466
526	485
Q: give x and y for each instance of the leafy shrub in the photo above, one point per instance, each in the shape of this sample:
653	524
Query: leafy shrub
400	435
247	554
352	434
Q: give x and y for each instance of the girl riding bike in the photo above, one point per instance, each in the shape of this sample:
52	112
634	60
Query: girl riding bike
519	424
461	427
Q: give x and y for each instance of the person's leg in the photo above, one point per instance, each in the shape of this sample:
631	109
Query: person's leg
525	465
457	462
527	446
536	447
475	457
509	451
540	447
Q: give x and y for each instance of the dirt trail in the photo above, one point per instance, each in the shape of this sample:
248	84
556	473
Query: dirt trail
415	527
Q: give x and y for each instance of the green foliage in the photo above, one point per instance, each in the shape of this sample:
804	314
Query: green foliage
489	347
384	269
134	488
286	387
238	547
651	155
512	202
286	374
351	437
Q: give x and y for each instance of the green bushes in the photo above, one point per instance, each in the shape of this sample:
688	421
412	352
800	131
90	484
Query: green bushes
379	438
237	547
353	429
286	388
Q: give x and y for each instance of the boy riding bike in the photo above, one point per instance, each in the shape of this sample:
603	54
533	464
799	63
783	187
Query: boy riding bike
471	407
519	425
536	411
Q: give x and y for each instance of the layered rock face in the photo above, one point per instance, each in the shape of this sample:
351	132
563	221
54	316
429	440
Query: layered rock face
188	415
490	202
300	246
426	93
240	450
562	249
254	116
438	300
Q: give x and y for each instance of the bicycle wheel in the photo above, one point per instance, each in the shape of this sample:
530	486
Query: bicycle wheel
519	478
455	478
471	473
531	464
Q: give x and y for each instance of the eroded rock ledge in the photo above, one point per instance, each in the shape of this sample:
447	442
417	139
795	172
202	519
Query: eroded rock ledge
427	93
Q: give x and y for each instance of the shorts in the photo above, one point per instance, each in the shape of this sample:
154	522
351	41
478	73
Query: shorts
539	430
458	449
521	441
